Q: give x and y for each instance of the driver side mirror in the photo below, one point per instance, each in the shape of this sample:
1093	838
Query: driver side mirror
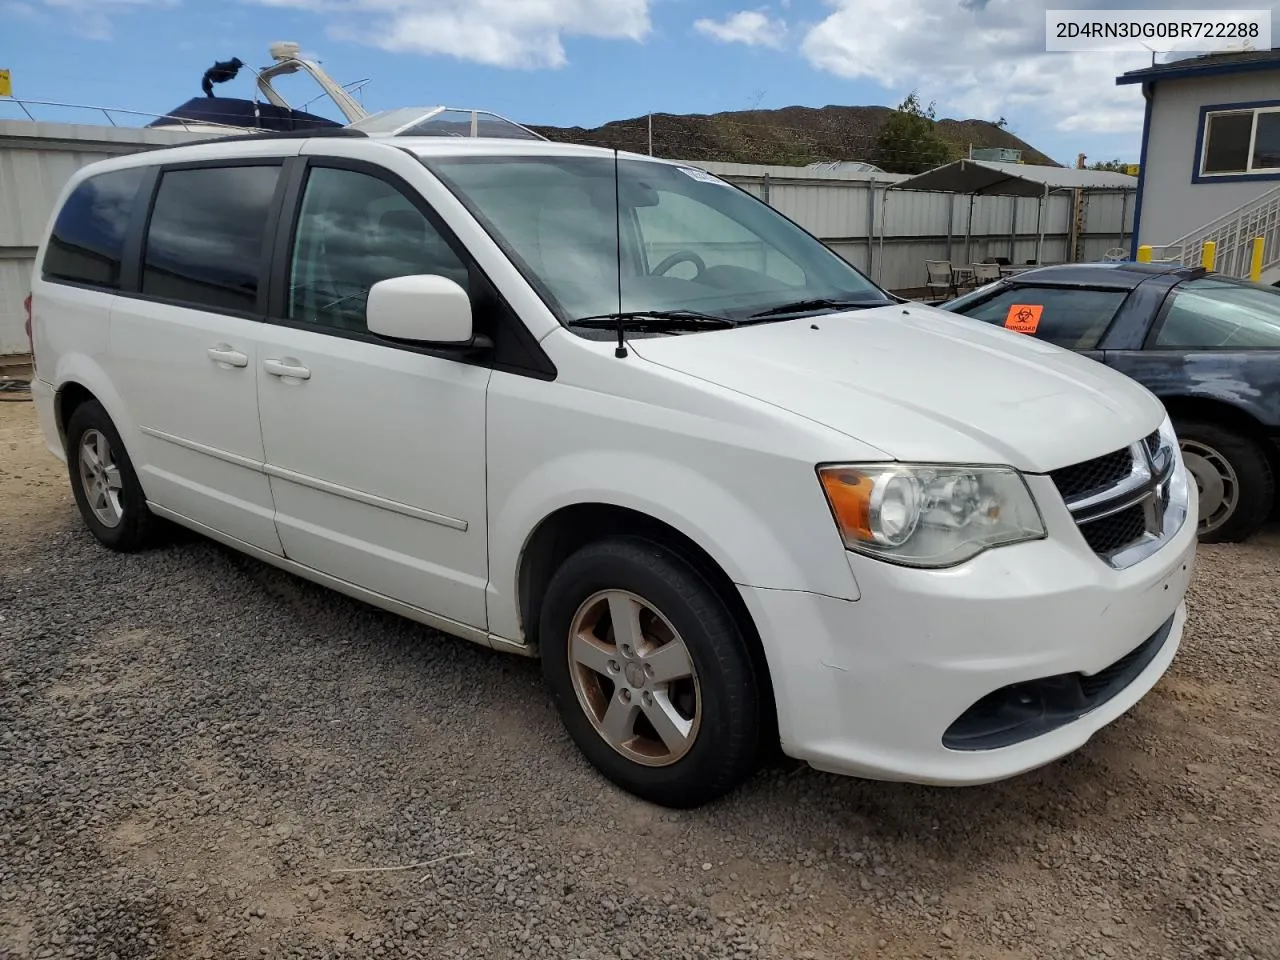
425	309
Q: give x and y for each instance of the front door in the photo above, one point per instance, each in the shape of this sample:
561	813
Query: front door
375	451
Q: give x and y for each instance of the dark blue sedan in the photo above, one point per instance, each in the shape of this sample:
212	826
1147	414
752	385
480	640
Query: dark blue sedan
1207	345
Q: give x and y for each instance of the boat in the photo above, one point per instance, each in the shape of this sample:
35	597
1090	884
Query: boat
272	113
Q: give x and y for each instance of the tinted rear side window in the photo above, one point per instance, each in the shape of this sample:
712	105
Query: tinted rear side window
207	235
88	236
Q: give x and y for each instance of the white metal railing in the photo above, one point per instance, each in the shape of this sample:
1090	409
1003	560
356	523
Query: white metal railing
171	122
1232	234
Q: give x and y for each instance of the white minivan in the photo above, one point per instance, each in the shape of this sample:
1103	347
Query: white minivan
616	413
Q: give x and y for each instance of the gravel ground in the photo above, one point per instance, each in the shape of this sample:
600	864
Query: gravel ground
194	747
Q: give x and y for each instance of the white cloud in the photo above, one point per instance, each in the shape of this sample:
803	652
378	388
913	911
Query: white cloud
983	58
502	33
751	27
93	19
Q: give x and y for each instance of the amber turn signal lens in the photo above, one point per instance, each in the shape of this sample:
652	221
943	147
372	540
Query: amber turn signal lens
849	493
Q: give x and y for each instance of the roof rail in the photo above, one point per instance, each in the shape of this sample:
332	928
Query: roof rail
290	135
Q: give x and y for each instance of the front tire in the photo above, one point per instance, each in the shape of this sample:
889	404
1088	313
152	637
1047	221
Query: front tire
104	483
651	673
1234	478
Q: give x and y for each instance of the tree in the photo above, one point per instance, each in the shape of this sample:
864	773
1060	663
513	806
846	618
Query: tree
909	141
1116	166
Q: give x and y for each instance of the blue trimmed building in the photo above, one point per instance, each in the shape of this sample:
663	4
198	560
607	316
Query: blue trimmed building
1210	140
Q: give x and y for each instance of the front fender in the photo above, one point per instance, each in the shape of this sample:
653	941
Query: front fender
752	547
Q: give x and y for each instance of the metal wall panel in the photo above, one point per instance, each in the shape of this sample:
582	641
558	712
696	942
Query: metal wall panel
15	281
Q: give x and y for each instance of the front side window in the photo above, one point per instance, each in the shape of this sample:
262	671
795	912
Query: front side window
1240	142
1216	314
207	236
1065	316
353	231
688	241
87	243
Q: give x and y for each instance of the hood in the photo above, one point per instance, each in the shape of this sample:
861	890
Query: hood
921	384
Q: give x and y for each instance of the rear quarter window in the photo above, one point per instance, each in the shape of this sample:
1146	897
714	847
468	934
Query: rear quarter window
87	243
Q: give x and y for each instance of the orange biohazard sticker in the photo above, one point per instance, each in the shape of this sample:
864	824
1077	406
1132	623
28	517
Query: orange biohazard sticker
1023	317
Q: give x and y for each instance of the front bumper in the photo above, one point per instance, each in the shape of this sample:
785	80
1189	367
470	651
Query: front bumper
870	687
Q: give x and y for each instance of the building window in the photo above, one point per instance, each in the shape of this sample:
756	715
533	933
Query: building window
1241	142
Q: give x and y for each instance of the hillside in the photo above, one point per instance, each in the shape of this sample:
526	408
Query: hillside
789	136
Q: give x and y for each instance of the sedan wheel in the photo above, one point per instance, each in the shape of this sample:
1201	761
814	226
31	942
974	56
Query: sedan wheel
1233	476
1216	481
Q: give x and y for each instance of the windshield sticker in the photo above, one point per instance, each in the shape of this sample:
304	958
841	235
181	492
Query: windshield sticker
1023	317
700	175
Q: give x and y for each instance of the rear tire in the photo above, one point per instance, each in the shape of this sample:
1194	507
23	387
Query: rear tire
680	659
1233	474
104	483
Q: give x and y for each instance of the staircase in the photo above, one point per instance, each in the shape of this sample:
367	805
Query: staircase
1233	233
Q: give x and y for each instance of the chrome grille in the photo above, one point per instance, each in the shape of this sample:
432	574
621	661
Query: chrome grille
1125	503
1093	476
1116	530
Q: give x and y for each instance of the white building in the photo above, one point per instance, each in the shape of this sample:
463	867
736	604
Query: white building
1210	164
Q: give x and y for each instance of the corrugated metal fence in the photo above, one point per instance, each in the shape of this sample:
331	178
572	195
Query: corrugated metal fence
846	210
850	211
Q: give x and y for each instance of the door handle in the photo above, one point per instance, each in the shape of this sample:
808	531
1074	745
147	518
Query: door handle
286	368
226	355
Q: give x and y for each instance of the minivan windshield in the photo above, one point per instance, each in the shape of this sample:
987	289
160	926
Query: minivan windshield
689	242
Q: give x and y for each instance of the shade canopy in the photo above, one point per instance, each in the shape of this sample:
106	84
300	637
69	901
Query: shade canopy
992	178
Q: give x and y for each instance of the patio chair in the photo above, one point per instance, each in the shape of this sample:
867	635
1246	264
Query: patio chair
940	276
985	273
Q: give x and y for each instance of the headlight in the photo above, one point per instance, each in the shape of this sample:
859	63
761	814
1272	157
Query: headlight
929	516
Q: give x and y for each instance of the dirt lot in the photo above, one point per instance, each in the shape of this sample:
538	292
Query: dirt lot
193	746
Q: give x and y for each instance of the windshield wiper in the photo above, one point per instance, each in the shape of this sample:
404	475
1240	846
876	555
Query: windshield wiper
653	320
815	303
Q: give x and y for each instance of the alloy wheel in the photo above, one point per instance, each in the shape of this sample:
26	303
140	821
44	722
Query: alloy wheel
100	478
634	678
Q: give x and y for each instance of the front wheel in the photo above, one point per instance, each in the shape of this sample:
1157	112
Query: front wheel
650	673
1233	476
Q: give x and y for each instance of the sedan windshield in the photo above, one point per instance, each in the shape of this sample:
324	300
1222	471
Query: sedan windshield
661	238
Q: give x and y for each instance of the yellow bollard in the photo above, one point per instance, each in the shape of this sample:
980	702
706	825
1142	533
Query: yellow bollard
1144	253
1255	264
1208	253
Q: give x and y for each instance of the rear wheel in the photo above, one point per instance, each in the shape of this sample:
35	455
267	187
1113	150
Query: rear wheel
650	673
1233	477
105	486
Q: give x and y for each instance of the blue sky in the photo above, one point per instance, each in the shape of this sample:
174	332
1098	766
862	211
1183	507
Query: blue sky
584	62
